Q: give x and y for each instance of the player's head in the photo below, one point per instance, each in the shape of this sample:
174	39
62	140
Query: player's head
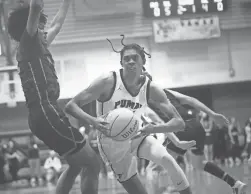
17	22
132	57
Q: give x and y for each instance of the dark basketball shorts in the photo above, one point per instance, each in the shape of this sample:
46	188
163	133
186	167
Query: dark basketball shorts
209	139
193	131
50	124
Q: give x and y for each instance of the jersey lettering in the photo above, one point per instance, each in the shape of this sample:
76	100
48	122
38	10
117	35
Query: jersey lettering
127	104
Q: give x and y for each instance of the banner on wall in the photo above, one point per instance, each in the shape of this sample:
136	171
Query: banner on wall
186	29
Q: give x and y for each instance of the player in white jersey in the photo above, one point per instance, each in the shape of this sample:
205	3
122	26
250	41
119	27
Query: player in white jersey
128	88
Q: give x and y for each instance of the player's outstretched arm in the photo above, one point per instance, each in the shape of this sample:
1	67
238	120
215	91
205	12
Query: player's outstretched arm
192	102
58	21
218	118
171	136
36	6
92	93
158	100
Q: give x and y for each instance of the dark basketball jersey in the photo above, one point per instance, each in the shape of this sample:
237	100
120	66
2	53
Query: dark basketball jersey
36	70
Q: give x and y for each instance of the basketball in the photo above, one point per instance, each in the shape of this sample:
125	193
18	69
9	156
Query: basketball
123	124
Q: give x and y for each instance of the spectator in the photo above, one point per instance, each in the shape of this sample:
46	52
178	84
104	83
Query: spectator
53	167
34	163
12	158
248	137
208	148
234	133
220	147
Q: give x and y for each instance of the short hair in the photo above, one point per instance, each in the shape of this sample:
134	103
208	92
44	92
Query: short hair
17	21
134	46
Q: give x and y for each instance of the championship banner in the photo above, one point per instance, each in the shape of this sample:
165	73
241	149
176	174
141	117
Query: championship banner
186	29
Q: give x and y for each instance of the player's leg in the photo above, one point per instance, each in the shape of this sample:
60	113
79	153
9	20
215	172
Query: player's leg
133	185
123	164
151	180
50	124
89	181
157	179
86	162
151	149
216	171
126	173
208	166
197	160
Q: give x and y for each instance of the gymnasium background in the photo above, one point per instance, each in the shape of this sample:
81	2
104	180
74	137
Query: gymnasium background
216	71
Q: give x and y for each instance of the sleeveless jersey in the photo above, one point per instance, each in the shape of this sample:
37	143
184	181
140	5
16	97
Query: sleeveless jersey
37	71
122	98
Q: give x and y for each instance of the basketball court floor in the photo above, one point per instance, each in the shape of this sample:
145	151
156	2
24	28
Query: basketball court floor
201	184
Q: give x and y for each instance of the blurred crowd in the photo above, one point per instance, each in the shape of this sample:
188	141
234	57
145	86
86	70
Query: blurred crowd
226	145
20	164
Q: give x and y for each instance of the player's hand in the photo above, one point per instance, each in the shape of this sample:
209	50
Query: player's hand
220	119
101	125
146	130
185	145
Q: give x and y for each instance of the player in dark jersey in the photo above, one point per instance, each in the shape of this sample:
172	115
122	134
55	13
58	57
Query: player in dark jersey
195	131
47	121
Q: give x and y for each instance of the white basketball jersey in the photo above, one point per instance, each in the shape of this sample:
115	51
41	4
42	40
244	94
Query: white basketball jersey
122	98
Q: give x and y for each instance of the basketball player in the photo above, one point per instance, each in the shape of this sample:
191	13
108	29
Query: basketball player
195	131
40	84
127	88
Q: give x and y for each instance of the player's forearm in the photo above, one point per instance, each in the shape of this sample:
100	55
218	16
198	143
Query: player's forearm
74	110
172	137
34	15
61	14
200	106
174	125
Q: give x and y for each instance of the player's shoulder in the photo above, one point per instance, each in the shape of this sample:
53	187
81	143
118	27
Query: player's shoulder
30	47
154	87
156	93
106	78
